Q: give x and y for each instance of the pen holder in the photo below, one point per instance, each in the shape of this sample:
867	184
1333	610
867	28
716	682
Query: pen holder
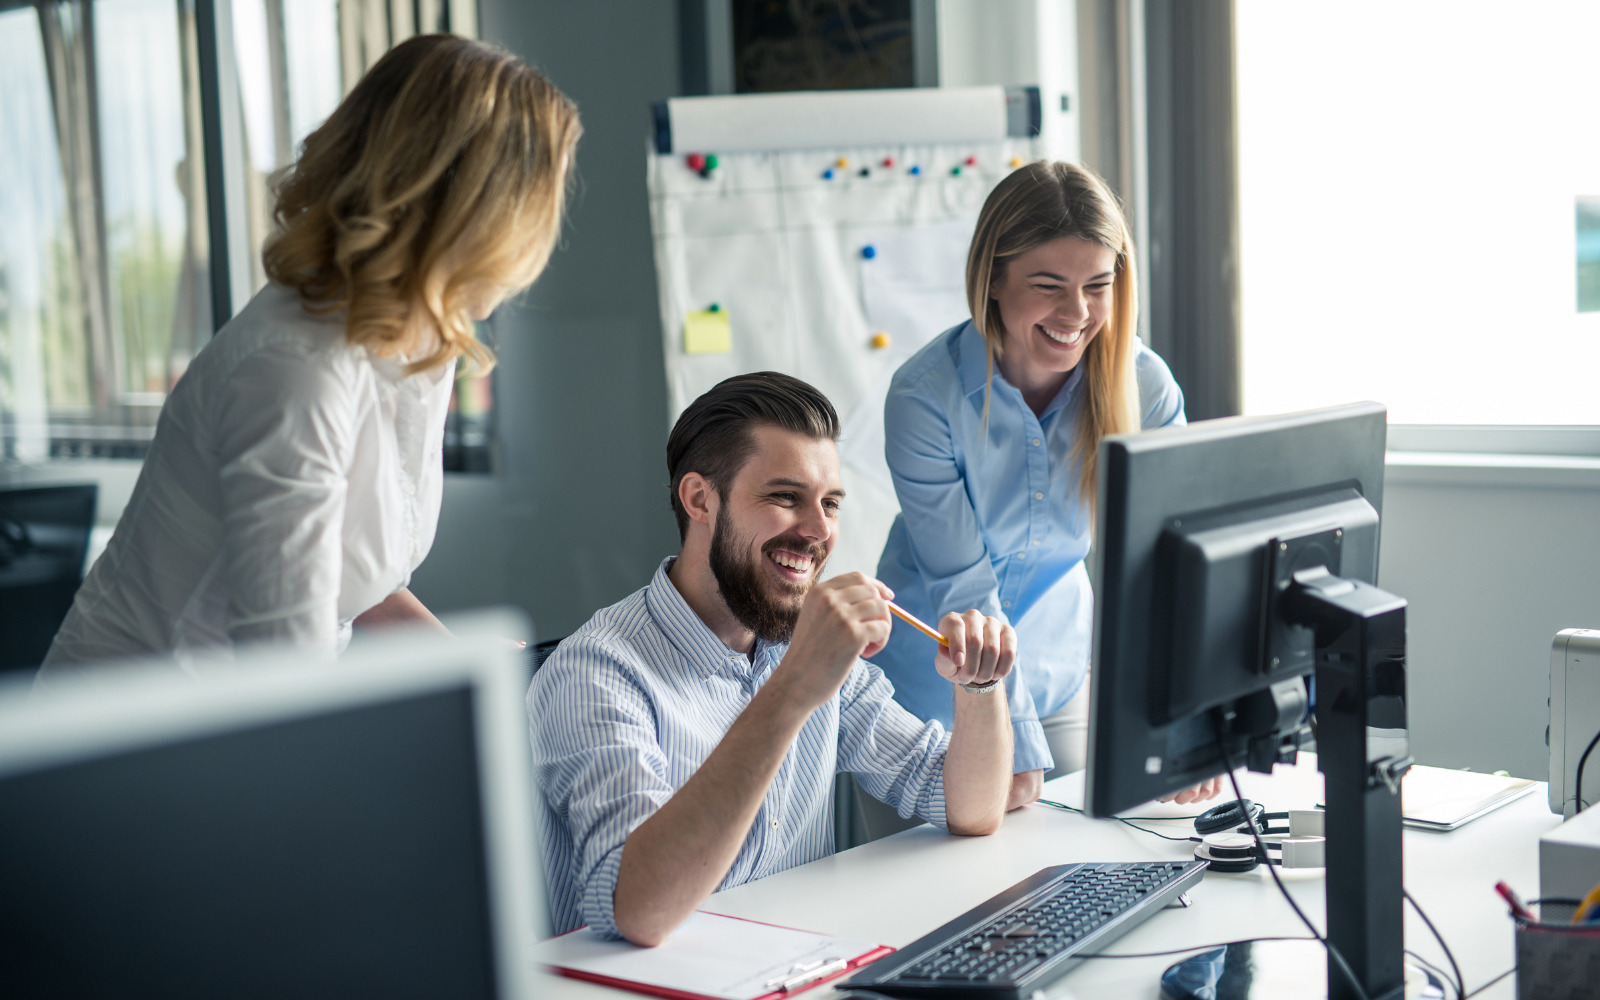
1557	961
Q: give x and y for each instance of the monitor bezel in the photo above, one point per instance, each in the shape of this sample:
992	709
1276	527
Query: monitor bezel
116	708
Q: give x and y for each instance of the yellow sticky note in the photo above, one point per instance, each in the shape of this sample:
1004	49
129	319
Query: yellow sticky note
707	332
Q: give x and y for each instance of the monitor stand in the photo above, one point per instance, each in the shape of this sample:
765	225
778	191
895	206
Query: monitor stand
1360	640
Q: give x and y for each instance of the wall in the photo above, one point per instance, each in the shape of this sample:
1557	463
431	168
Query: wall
1495	557
1036	44
577	518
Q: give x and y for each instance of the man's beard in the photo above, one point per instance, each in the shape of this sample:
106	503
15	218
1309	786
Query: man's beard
745	591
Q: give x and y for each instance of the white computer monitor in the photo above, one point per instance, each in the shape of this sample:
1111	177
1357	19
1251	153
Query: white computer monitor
272	827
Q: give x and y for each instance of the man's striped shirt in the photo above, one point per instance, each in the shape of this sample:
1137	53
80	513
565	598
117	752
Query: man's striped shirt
625	711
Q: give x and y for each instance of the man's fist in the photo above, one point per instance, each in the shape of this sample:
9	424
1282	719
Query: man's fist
842	619
981	649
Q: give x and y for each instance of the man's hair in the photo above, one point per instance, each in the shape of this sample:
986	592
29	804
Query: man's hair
714	435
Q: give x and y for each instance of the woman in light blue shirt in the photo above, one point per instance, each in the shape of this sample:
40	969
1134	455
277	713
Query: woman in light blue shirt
992	432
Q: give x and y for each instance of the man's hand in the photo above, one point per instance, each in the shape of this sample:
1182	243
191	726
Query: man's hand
981	649
1199	793
843	619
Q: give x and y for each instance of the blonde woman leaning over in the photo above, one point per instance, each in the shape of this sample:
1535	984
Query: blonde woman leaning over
991	434
294	481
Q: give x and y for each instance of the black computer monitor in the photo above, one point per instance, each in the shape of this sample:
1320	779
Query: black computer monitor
1235	568
276	829
44	538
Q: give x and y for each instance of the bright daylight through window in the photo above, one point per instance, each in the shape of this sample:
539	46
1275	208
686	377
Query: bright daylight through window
1412	183
105	251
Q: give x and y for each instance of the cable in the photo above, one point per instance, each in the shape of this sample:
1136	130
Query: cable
1129	822
1333	952
1198	947
1577	791
1418	960
1444	976
1461	984
1490	983
1147	819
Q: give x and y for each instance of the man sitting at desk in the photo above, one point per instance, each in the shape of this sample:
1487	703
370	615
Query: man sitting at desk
686	739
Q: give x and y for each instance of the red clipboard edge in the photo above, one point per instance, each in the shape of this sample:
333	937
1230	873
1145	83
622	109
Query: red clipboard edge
672	994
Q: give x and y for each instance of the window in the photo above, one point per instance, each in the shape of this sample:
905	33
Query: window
1410	176
105	258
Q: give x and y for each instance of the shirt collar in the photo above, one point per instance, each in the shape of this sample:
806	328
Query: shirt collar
690	635
972	359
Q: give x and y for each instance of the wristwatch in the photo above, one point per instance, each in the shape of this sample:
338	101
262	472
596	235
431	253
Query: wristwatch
981	688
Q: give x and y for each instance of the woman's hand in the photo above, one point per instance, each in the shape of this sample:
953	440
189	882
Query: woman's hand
1026	786
1199	793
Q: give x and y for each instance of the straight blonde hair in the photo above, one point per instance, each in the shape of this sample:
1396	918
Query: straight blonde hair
1036	204
440	179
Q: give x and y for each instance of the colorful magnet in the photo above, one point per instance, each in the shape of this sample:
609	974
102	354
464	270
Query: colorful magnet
888	163
696	161
868	252
827	175
880	340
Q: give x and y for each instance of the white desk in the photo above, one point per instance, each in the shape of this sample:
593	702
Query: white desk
897	889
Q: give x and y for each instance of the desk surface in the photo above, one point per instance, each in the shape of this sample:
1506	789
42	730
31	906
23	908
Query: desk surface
897	889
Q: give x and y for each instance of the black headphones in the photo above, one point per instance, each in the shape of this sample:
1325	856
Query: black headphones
1226	843
1230	815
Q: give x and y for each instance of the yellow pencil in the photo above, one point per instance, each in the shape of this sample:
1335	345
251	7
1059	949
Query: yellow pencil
916	623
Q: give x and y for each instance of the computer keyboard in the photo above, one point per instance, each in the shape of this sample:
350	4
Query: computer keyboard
1026	937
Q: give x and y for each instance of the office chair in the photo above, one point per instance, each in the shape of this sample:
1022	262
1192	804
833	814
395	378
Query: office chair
540	652
44	539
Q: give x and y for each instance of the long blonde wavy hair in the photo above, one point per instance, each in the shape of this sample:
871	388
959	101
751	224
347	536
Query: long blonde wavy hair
438	181
1036	204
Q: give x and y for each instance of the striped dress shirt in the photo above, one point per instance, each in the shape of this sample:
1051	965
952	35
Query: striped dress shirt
625	711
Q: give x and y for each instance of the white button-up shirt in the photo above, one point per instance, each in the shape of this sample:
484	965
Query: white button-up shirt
293	483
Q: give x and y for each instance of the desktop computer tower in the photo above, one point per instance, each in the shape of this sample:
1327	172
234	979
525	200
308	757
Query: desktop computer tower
1574	718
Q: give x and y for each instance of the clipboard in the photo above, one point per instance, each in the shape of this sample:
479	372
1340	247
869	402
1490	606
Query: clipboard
711	957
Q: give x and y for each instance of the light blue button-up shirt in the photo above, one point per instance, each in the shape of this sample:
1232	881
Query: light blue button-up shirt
625	711
991	518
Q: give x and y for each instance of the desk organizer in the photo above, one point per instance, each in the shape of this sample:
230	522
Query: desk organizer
1557	961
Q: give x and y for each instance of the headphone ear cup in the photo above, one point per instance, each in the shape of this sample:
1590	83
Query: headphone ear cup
1224	817
1228	853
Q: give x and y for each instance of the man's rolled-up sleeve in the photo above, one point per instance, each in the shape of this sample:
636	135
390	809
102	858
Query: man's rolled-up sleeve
600	768
897	757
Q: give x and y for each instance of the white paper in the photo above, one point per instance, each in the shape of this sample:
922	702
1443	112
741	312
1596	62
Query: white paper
708	954
826	119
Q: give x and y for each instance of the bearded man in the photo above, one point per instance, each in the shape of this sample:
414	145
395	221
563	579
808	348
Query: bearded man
686	738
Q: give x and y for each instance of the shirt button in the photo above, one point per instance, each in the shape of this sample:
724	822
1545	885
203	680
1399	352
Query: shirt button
1005	604
1035	541
774	824
411	488
1038	496
1022	555
1036	442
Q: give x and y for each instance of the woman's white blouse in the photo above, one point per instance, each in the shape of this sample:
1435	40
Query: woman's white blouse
293	483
